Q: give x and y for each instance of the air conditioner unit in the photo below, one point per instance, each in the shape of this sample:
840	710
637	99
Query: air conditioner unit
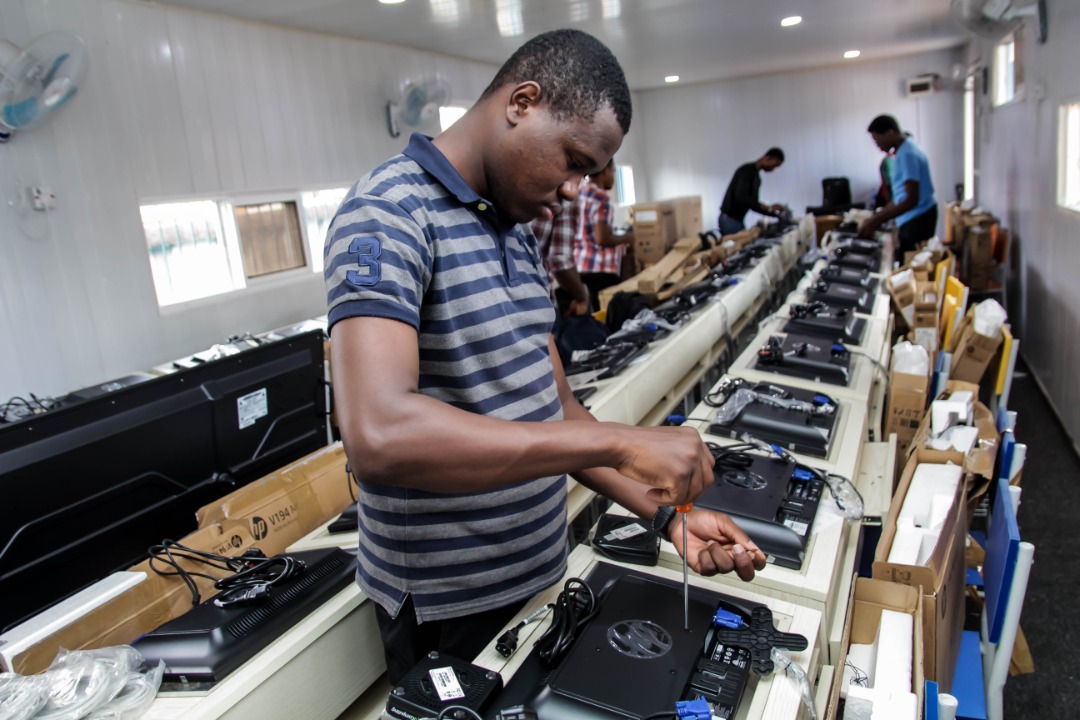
923	85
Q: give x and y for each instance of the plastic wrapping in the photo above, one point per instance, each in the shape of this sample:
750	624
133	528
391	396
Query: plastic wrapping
641	321
135	696
989	317
782	661
910	359
21	697
729	411
81	681
846	496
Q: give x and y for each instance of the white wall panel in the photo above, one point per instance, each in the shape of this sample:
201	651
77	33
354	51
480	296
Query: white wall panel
1018	167
694	137
175	104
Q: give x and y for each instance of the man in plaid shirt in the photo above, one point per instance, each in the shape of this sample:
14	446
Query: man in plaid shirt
556	240
598	251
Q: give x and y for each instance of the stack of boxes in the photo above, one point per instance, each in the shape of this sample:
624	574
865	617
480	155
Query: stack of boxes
658	225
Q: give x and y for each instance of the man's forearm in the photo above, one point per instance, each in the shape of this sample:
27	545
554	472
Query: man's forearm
893	210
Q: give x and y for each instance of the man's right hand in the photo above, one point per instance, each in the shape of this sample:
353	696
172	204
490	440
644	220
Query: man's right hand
672	460
578	307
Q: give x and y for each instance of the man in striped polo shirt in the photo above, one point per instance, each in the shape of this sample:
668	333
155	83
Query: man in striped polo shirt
453	406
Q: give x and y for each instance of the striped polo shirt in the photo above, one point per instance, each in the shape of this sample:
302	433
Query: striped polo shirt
414	243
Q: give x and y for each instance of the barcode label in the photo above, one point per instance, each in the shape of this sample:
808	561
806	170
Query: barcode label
800	528
626	531
446	684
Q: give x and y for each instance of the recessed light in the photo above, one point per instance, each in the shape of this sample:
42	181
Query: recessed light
391	2
790	21
671	78
851	54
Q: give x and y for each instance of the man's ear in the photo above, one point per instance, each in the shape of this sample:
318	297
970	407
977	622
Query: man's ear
524	98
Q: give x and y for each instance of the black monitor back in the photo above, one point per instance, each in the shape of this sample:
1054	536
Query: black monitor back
88	487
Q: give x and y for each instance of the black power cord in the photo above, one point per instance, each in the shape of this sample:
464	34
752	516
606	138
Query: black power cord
574	607
253	574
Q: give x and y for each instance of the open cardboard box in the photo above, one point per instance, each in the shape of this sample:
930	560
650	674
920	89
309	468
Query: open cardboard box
270	514
287	504
980	461
941	581
971	352
866	601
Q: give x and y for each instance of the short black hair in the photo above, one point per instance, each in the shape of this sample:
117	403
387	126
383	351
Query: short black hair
577	74
775	152
883	124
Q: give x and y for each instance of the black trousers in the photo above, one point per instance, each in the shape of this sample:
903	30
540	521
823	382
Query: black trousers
406	642
916	230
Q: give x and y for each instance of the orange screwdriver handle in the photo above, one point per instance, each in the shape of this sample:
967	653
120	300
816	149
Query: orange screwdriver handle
684	508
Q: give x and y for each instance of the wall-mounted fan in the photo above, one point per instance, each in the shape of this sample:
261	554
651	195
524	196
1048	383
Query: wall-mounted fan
994	19
37	81
418	106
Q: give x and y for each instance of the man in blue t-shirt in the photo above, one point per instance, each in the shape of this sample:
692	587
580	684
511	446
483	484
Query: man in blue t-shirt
913	204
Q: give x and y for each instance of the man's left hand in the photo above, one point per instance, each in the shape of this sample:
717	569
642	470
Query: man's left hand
716	545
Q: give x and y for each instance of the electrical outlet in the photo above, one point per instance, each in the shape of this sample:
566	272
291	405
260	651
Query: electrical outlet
43	198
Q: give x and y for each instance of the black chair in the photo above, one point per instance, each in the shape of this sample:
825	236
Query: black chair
836	197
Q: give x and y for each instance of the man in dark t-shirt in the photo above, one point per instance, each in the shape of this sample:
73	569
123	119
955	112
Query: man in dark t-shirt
742	192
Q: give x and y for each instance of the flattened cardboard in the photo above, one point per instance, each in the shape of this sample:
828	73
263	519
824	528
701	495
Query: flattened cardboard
287	504
144	607
866	601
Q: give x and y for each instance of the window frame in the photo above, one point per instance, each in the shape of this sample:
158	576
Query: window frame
1016	40
1063	157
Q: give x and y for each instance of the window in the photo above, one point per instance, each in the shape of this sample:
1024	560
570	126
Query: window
1009	69
189	258
450	114
1069	157
202	248
270	239
319	208
969	138
624	185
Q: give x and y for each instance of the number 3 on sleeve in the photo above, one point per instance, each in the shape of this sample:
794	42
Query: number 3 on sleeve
367	251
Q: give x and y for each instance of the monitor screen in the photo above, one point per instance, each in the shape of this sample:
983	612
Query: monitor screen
87	487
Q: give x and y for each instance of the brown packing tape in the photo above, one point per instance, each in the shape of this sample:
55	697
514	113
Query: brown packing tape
143	607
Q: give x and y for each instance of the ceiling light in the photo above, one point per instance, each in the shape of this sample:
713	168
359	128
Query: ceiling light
391	2
790	21
851	54
671	78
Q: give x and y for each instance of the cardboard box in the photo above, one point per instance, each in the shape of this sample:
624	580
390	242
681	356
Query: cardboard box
654	230
286	505
906	408
980	461
867	600
688	216
903	287
825	223
144	607
925	306
971	352
941	581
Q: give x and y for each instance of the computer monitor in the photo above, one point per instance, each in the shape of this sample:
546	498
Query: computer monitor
89	486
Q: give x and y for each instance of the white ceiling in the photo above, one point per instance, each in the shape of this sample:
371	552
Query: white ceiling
699	40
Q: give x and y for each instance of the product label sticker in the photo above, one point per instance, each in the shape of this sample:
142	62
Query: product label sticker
446	684
251	407
800	528
626	531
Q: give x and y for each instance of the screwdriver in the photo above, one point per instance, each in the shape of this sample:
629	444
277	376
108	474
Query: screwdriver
684	510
